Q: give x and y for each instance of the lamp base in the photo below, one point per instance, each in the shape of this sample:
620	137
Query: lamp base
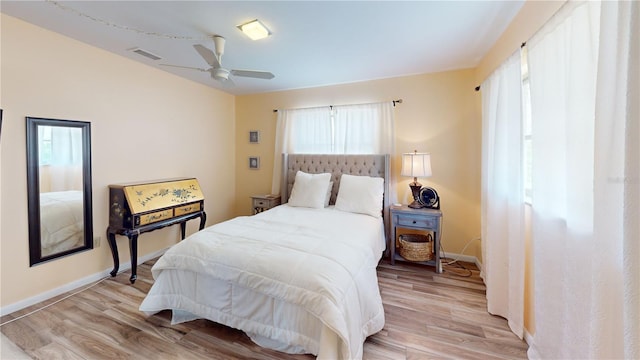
415	190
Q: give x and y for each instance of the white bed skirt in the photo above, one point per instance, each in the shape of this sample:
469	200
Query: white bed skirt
235	305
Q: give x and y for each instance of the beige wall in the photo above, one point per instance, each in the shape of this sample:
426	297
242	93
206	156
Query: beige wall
438	115
145	123
530	18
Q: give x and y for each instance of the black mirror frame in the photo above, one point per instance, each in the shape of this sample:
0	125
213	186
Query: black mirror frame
33	188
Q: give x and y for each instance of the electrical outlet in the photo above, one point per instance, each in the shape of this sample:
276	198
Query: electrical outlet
96	241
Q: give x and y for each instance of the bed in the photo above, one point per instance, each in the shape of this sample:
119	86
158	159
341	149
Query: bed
299	279
61	221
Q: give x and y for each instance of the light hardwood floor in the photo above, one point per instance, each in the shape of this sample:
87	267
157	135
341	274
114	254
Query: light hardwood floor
428	316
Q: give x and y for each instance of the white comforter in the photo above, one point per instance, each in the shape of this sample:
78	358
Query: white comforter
323	261
61	221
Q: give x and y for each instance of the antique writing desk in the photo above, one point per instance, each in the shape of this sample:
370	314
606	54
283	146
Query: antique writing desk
137	208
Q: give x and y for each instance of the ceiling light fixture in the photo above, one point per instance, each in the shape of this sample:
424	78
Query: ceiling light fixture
254	29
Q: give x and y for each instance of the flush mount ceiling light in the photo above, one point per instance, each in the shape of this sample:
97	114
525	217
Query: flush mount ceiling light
254	29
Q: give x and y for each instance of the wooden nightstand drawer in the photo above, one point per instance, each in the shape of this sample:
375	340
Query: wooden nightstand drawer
416	221
261	203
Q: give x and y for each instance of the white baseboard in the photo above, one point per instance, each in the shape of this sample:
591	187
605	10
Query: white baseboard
461	257
73	285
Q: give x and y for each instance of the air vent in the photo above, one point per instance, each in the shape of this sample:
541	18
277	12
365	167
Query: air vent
146	54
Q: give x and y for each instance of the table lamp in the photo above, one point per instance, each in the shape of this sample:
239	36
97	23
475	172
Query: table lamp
416	165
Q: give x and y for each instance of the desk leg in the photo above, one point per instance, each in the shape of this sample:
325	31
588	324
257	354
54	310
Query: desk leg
183	225
133	249
111	237
203	220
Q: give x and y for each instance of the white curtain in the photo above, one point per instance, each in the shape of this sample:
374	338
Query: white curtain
502	201
345	129
364	129
616	272
66	145
300	131
63	171
584	80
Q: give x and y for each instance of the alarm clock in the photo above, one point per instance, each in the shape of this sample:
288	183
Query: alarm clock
429	198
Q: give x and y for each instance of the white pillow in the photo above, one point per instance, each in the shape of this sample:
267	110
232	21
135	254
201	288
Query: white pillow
361	194
309	190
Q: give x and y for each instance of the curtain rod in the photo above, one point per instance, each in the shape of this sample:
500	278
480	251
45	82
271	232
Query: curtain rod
477	88
399	101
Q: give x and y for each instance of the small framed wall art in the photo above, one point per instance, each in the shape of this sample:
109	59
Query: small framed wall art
254	162
254	137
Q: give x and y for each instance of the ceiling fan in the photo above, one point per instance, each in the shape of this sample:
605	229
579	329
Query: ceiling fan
215	61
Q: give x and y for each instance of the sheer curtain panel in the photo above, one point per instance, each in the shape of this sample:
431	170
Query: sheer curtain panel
502	200
583	68
616	274
64	171
306	131
364	129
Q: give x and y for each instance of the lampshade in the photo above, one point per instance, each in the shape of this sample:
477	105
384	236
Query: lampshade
416	164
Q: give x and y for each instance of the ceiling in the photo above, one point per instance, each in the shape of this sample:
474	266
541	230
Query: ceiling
313	43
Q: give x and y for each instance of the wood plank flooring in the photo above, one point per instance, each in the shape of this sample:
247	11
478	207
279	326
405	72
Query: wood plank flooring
428	316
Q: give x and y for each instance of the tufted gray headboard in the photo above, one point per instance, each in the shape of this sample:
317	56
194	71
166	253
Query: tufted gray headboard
369	165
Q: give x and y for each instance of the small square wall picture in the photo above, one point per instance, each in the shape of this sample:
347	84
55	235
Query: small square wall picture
254	162
254	137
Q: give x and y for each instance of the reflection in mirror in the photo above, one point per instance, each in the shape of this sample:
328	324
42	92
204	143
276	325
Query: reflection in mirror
59	188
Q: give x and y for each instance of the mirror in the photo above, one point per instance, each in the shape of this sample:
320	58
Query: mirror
58	188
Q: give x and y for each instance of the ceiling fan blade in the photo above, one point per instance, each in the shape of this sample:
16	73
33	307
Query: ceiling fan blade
228	83
185	67
253	74
208	55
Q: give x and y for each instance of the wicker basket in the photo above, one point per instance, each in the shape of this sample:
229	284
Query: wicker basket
416	247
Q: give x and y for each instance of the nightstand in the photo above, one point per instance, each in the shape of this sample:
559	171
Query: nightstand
416	219
260	203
